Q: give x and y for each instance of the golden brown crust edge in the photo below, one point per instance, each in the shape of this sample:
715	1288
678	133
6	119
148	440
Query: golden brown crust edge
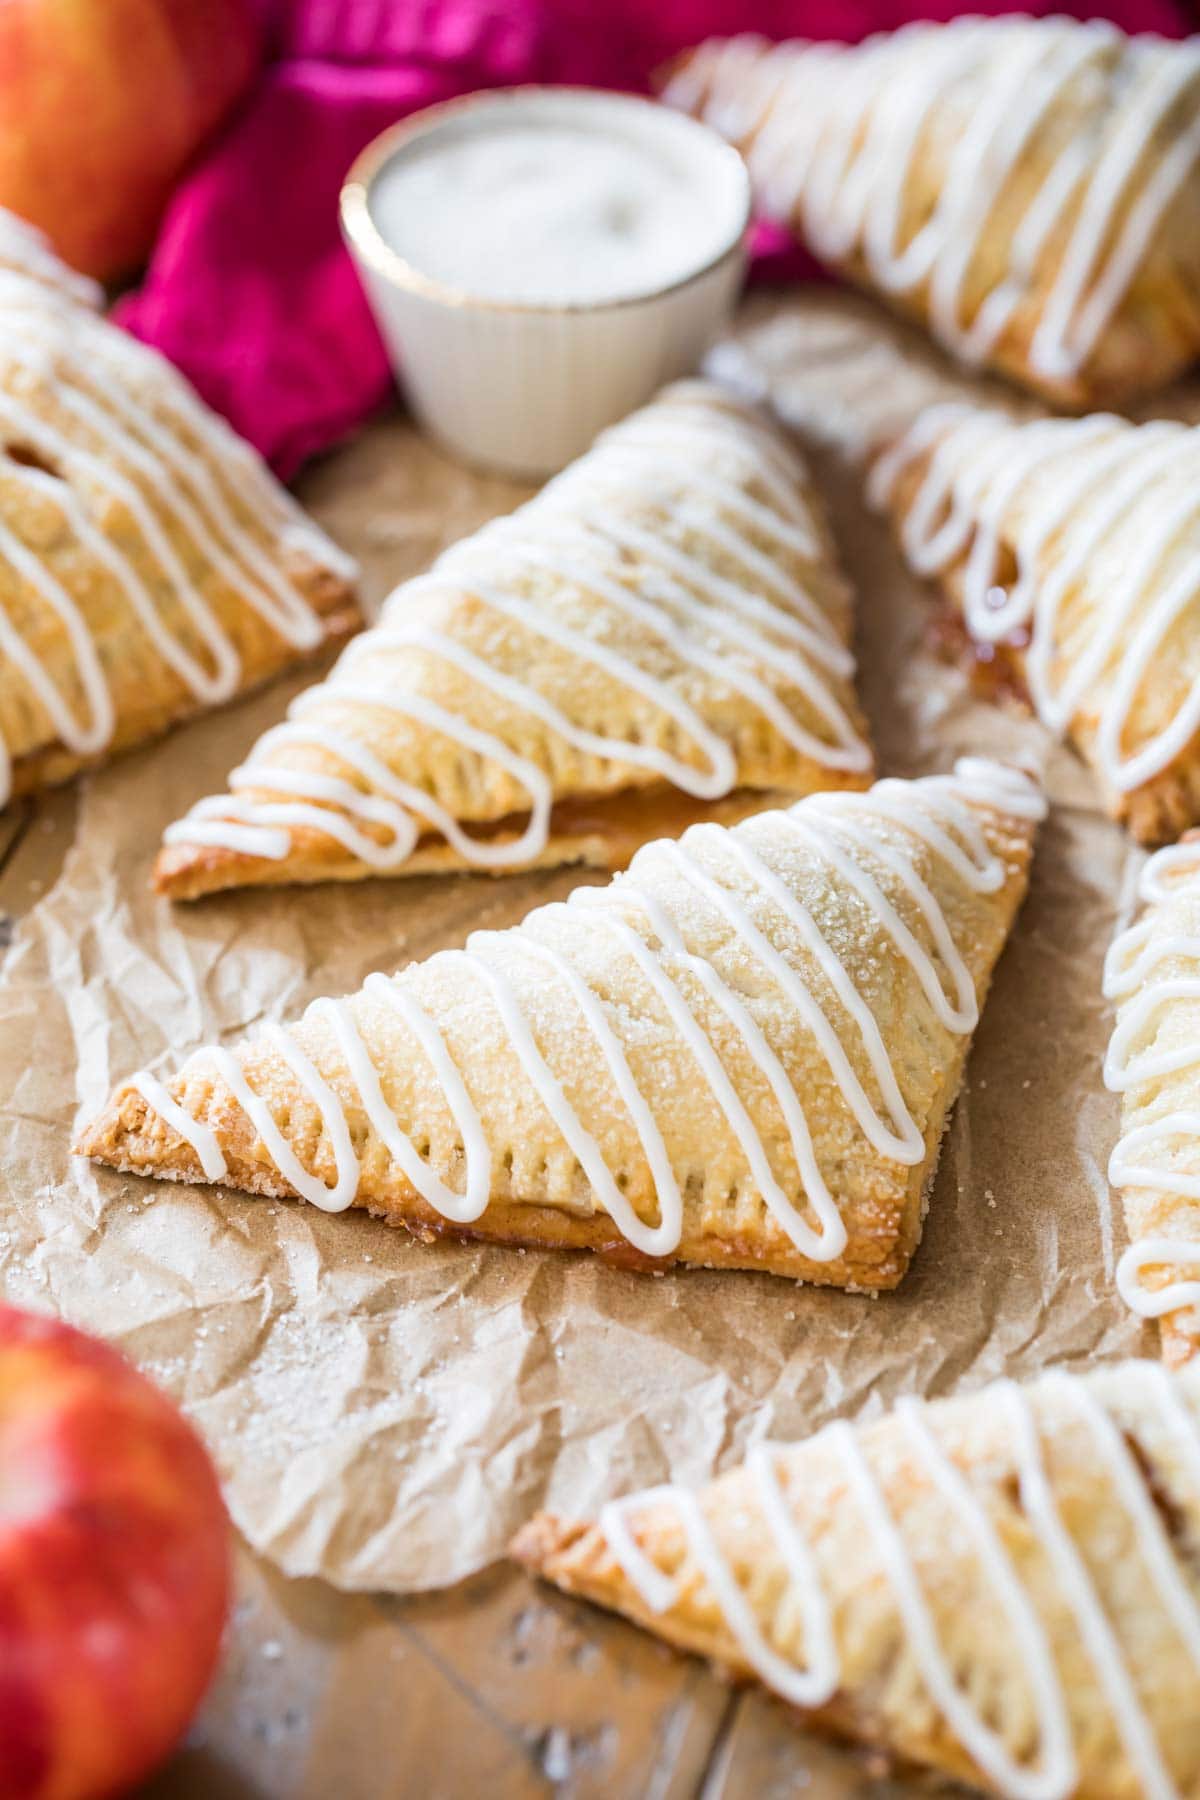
131	1137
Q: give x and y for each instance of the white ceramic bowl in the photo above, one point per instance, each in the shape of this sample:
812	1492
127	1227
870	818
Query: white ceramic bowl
525	387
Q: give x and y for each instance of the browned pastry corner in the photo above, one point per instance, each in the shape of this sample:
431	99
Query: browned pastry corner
741	1054
661	636
1025	188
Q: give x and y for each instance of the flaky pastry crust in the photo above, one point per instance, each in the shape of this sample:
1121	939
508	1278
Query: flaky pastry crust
1025	188
1069	550
1011	1516
1152	973
657	637
647	1071
150	566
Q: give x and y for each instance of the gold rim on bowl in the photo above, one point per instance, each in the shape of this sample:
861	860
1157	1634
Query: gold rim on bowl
367	241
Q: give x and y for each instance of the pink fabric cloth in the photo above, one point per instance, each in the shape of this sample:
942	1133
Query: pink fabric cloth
250	291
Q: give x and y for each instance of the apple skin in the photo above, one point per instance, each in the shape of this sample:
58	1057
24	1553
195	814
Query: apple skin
102	104
114	1567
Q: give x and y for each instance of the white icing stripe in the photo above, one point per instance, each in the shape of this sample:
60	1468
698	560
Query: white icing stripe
212	688
721	774
169	469
202	1140
581	540
79	358
1060	492
904	1142
814	631
811	1686
659	1240
1097	1635
1056	1774
630	460
1158	878
1124	1169
1122	1069
1158	1252
836	140
461	1208
1146	1156
972	860
927	812
1153	1542
819	839
825	1246
982	1743
1176	1417
333	1120
84	740
848	752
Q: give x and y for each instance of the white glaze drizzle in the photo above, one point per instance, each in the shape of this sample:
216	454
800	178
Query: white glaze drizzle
1131	977
1095	1629
1056	1774
175	473
108	427
575	536
941	813
836	139
1096	472
25	251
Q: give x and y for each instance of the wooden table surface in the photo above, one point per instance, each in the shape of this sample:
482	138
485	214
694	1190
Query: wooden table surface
497	1687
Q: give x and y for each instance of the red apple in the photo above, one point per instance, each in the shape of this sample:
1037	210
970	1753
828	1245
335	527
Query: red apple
114	1566
102	103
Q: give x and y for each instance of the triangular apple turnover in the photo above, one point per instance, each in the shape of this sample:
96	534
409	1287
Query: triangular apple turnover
741	1054
1026	188
150	566
1071	549
661	634
1153	973
1002	1588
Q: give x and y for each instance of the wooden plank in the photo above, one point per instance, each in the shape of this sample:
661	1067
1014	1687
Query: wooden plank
602	1708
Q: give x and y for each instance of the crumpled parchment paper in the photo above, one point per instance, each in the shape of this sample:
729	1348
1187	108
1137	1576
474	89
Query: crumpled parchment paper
385	1413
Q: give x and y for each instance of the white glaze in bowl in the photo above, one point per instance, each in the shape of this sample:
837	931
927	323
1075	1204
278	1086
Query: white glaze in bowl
524	386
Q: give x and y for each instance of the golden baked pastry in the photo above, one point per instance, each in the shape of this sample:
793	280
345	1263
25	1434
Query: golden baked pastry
661	632
741	1054
150	566
1002	1588
1071	549
1153	972
1025	188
